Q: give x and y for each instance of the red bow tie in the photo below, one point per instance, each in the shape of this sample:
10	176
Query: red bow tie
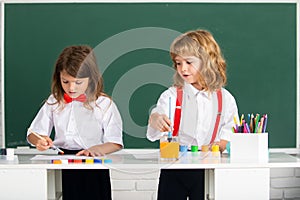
68	99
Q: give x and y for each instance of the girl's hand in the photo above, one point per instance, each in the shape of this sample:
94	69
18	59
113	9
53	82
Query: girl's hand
93	151
44	143
100	150
41	143
160	122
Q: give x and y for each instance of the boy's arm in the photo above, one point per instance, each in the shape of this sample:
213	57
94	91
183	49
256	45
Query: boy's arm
157	124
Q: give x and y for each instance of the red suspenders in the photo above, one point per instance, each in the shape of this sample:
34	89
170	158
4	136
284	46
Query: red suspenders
178	114
219	95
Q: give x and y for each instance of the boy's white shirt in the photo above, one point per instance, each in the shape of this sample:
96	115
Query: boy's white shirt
77	127
198	115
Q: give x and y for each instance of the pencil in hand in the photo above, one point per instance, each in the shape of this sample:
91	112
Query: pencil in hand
52	147
57	149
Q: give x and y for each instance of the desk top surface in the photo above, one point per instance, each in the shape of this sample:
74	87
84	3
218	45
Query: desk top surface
150	159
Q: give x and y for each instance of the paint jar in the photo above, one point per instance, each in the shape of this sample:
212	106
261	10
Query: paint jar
169	148
205	148
215	148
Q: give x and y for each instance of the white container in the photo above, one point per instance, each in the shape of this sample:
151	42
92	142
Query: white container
249	147
10	154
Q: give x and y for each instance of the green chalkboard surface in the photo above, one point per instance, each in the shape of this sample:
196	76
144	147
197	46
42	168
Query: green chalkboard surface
131	41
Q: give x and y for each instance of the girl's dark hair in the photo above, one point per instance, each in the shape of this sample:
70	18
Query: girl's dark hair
79	62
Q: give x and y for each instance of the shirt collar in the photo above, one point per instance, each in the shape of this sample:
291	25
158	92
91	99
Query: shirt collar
195	91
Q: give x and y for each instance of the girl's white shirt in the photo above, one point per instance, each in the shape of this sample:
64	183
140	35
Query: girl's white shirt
198	115
77	127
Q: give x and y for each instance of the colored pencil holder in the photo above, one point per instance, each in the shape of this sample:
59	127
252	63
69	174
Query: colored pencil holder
249	147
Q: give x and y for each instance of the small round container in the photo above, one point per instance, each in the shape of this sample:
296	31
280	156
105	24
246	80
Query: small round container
194	148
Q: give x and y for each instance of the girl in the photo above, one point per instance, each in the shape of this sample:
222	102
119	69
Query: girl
85	119
200	74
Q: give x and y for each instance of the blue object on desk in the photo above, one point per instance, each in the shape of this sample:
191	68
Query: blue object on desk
183	148
106	160
228	148
97	161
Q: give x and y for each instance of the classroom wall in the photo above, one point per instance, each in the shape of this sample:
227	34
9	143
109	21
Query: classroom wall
285	183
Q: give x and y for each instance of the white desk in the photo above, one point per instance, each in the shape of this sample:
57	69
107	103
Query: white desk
27	179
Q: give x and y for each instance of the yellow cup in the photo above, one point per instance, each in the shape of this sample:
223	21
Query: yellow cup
169	150
215	148
205	148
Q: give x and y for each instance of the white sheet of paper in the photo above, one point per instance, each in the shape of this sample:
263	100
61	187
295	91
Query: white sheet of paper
62	157
147	155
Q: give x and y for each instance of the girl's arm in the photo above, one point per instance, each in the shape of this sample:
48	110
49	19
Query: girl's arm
42	125
112	130
42	143
101	149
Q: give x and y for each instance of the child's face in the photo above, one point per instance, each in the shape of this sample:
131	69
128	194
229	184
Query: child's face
188	67
73	86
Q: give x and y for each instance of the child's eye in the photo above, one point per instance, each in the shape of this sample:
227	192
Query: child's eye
78	82
189	62
177	64
65	82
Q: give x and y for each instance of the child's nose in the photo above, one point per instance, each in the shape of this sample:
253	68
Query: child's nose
184	67
72	86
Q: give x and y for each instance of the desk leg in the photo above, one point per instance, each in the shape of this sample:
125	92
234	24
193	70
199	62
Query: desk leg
209	184
246	184
54	184
51	184
58	184
23	184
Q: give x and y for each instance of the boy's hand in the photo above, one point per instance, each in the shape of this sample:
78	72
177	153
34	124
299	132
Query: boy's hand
160	122
221	144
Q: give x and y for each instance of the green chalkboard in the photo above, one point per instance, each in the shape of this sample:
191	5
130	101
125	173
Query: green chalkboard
131	41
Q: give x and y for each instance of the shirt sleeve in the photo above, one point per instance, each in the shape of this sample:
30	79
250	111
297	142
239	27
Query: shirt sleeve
162	107
112	125
229	111
43	121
